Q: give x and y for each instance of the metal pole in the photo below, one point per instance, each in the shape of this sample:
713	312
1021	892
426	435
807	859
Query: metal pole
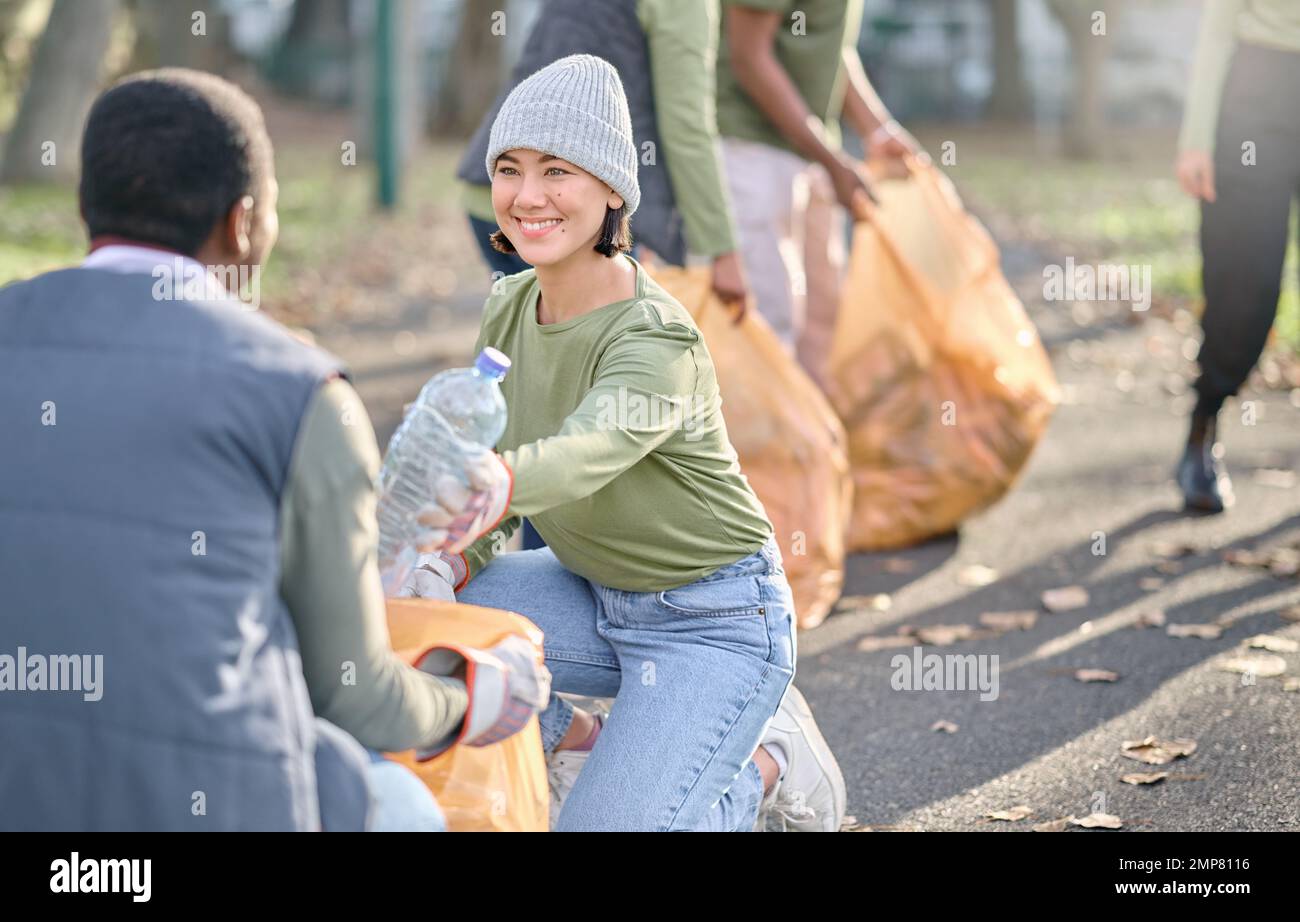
386	143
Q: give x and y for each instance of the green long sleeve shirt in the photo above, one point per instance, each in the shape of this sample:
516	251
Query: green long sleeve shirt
682	36
1224	23
809	45
615	436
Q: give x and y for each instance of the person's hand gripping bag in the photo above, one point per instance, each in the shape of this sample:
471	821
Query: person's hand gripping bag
936	370
791	445
496	788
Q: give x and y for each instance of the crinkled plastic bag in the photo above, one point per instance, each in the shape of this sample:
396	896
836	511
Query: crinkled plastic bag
790	443
936	370
497	788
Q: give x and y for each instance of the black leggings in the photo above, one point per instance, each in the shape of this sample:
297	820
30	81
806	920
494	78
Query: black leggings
1244	232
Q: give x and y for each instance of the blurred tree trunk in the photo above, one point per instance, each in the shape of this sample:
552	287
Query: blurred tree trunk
64	78
1085	125
10	11
1010	97
165	36
473	80
314	58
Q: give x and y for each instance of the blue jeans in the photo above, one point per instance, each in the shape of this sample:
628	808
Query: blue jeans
698	673
361	790
400	802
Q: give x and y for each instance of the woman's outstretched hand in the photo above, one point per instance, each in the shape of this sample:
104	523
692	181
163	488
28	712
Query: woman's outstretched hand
461	513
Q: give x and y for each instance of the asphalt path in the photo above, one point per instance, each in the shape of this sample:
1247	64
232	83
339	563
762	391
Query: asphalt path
1046	741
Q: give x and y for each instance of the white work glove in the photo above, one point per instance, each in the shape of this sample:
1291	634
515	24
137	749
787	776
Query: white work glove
435	577
507	684
460	514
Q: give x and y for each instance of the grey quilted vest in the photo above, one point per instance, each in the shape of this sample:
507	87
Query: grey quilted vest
147	445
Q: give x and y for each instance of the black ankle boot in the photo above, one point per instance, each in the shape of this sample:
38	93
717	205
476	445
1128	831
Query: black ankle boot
1201	475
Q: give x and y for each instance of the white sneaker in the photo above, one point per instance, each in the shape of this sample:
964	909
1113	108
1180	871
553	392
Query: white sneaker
562	768
811	796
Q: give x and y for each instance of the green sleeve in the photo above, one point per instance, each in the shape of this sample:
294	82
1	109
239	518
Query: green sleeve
683	41
479	554
1214	48
643	390
330	584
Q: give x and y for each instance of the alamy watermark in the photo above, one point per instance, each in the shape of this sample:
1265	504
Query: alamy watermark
637	411
1103	282
187	280
77	672
103	875
918	671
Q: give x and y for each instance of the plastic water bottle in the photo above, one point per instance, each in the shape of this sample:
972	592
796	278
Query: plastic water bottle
459	413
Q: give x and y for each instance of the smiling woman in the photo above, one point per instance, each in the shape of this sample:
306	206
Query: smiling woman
621	459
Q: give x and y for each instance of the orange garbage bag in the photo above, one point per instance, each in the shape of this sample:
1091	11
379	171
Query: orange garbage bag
497	788
791	445
936	370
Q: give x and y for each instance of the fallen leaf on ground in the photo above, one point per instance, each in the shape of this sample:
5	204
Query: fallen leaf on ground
879	828
1264	665
1053	825
1150	583
939	635
1200	631
886	642
976	575
1014	815
1151	618
1173	549
947	726
1245	557
1144	777
1291	684
878	602
1096	675
1009	620
1168	567
1272	643
1065	598
1155	751
1097	821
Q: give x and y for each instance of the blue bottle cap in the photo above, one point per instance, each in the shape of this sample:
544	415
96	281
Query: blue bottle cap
492	362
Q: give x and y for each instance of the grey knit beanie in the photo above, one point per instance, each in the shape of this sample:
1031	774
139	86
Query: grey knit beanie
572	108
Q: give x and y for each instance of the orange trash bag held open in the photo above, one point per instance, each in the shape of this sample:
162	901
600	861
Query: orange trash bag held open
497	788
790	443
936	370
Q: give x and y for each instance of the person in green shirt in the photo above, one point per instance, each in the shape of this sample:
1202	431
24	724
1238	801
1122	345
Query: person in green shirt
787	71
680	40
661	584
664	51
1239	154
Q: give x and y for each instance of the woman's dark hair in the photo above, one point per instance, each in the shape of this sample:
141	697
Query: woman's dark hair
615	234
